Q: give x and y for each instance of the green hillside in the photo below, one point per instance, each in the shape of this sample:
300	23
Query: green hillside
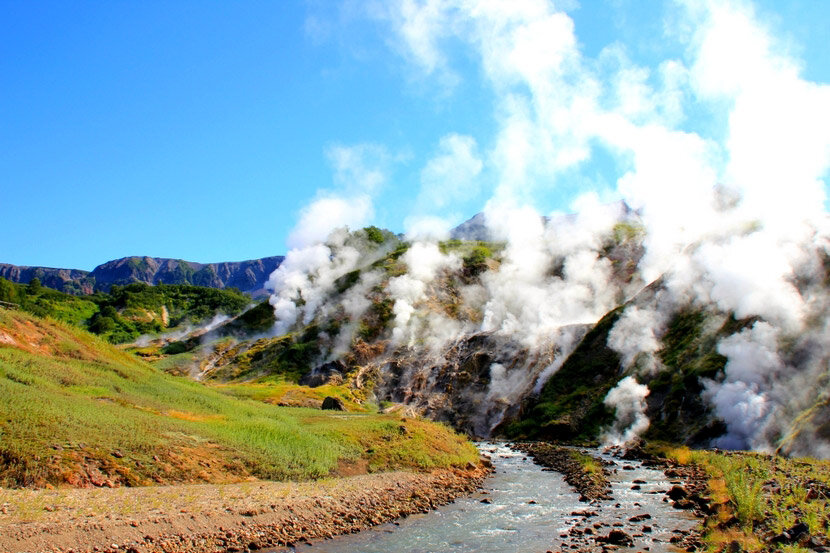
127	312
76	411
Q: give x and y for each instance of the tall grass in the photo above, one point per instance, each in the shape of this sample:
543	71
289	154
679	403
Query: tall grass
766	494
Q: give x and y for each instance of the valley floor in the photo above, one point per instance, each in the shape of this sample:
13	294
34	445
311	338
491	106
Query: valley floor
228	517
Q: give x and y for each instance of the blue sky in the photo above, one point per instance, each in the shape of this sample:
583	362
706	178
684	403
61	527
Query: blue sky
201	130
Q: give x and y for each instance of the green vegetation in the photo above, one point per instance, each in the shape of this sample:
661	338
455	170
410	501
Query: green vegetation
476	262
74	411
589	464
45	302
126	312
758	496
286	357
625	231
391	264
570	406
281	392
257	320
690	354
374	234
376	319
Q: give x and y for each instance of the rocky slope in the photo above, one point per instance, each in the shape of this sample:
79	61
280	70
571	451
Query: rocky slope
552	330
73	281
248	276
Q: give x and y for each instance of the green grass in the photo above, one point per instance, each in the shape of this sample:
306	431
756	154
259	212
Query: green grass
570	406
589	464
68	401
127	312
277	391
288	357
759	496
689	354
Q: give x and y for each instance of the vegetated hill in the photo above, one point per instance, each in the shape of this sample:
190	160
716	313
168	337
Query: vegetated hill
76	411
530	337
127	312
571	407
348	326
248	276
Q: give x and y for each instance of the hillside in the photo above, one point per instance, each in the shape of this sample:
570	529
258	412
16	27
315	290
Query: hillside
127	313
551	330
75	411
248	276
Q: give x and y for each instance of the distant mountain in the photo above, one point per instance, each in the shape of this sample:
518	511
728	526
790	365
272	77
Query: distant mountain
71	281
249	276
474	228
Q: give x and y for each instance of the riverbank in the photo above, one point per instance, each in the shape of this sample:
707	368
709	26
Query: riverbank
635	501
585	473
217	518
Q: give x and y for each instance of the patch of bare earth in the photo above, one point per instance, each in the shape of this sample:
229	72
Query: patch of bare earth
217	518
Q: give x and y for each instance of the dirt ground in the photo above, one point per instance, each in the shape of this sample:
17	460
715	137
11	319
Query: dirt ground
218	518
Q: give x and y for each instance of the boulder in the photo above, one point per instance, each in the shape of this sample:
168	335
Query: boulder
677	492
795	534
333	404
327	373
616	537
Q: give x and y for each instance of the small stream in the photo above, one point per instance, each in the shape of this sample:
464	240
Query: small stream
523	508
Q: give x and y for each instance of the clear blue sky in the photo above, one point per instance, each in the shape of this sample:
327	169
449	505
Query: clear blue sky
198	130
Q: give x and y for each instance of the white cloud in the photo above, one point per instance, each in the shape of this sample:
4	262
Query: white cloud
325	214
451	175
722	151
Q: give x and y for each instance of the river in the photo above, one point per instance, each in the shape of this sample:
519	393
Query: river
523	508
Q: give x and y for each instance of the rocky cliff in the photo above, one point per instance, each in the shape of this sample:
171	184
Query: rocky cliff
249	276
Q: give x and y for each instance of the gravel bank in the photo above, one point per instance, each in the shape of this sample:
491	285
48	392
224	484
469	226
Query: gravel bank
219	518
561	459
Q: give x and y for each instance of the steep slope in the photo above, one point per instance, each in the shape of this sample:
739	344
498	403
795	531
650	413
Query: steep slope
248	276
553	331
415	323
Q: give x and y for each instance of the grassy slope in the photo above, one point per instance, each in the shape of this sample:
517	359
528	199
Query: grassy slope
74	410
689	355
127	312
759	496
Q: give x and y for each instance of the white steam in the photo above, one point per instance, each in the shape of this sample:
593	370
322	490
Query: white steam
729	211
628	399
635	338
424	262
743	399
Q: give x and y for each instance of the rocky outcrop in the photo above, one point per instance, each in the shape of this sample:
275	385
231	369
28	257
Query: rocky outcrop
249	276
73	281
476	383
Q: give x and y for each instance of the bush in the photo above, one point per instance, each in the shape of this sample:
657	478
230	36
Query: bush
374	234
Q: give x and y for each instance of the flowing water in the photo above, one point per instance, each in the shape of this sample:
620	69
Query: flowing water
525	509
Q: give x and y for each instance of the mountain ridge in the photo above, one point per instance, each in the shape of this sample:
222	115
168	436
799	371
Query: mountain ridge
249	275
